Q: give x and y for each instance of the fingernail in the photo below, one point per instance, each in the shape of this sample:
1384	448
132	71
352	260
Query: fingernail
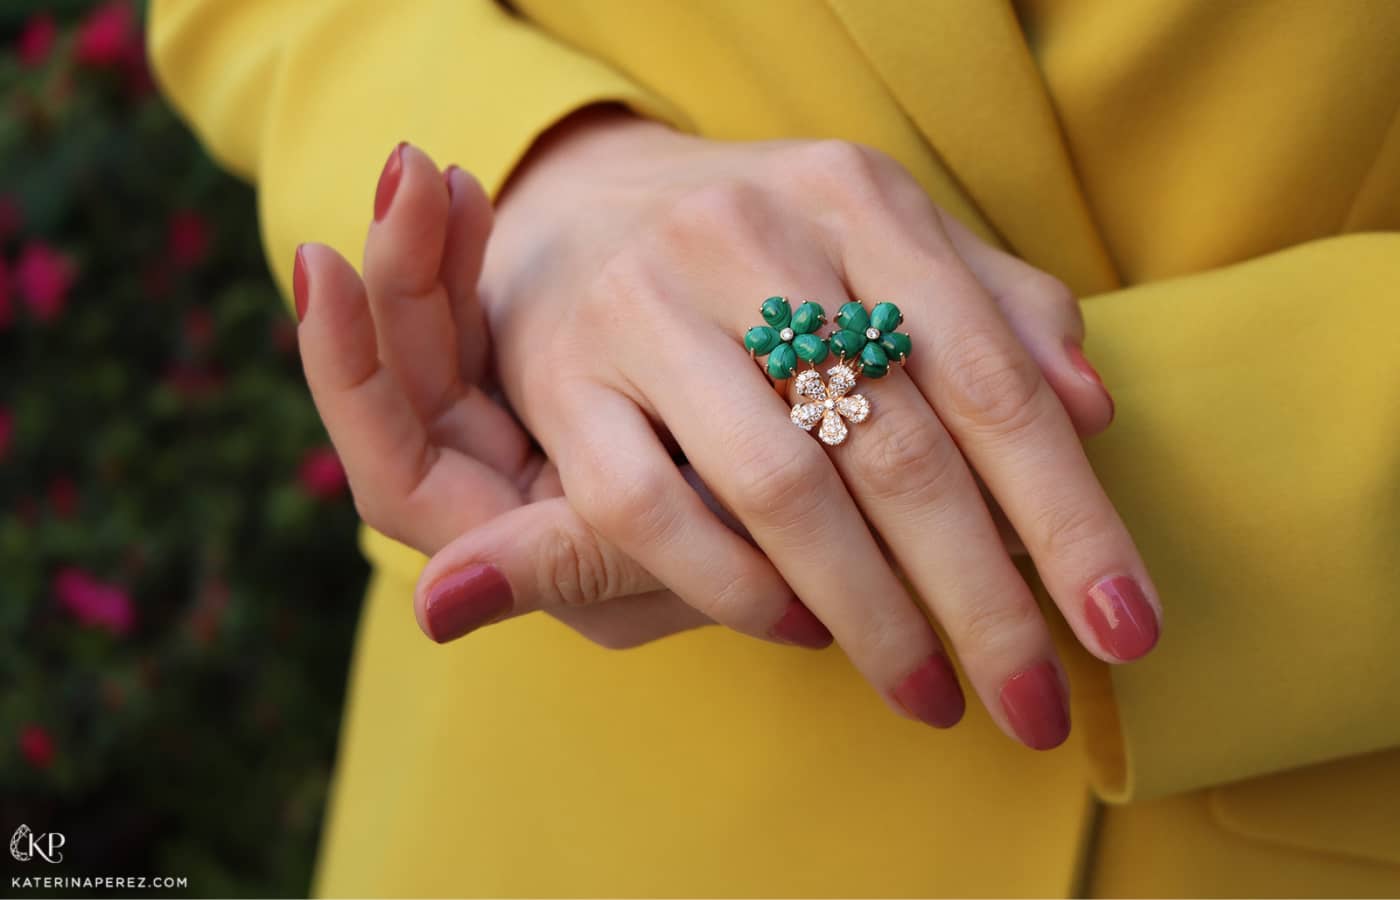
931	693
466	600
799	626
1125	623
447	178
388	182
300	289
1087	371
1035	707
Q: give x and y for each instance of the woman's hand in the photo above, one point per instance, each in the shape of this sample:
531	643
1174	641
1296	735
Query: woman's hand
414	475
396	364
627	261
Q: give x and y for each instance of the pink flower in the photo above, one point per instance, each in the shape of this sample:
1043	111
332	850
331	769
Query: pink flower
321	474
7	430
43	276
94	603
36	745
105	36
36	40
187	239
11	217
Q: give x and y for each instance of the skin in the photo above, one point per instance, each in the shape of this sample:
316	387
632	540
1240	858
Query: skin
625	260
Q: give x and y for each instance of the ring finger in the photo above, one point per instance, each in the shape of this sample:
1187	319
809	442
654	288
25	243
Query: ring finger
783	488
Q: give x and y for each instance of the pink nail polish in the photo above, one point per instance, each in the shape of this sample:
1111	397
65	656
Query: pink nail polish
1035	707
1081	364
1122	619
388	182
463	601
799	626
931	693
1087	371
300	288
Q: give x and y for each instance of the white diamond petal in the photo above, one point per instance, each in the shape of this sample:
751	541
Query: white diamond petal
807	415
833	430
842	379
809	384
854	407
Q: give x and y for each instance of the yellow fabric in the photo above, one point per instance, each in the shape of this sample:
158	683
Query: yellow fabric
1185	165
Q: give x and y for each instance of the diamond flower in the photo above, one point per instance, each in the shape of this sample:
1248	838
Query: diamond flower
829	403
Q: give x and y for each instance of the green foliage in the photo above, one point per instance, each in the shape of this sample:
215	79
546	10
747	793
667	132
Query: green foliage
172	707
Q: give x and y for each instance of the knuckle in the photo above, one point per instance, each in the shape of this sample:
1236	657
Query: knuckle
990	627
836	168
735	601
630	505
572	567
722	212
622	286
1061	529
774	486
1050	290
988	386
905	455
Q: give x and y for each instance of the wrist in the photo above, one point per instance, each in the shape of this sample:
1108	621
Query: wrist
590	144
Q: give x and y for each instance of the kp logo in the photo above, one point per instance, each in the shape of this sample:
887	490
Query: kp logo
25	845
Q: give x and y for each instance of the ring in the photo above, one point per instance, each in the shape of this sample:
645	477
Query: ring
864	343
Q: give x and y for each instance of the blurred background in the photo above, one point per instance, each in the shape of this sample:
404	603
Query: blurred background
178	576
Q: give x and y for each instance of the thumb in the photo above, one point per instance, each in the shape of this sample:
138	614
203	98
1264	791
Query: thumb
538	556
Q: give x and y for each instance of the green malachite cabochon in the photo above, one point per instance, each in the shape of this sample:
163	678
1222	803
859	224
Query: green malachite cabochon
847	343
873	361
810	348
852	317
895	344
782	362
808	318
886	316
761	340
776	312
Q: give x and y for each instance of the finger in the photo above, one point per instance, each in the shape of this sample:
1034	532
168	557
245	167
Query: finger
622	482
421	237
915	489
783	488
403	485
1044	315
1013	429
539	556
468	227
402	258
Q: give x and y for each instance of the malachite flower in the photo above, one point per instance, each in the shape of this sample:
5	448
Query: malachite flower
831	404
788	336
870	337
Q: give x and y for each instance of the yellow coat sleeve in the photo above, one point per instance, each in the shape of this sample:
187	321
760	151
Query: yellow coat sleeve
1256	458
307	98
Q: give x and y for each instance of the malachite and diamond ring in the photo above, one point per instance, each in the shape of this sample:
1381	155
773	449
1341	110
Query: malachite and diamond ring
864	344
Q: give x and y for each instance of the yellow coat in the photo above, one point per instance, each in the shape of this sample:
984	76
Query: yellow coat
1200	171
